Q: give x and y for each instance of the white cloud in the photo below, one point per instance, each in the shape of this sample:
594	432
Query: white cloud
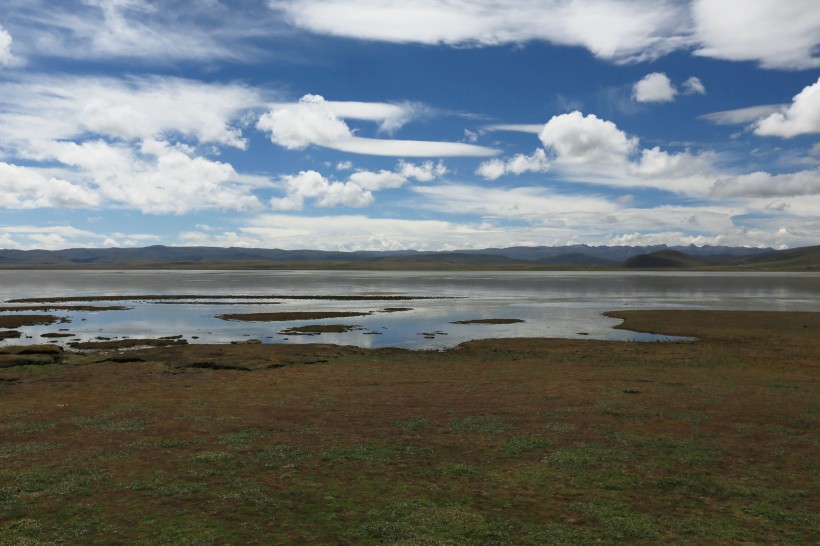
580	139
775	33
356	192
312	121
390	117
610	29
60	108
510	203
54	237
375	181
132	143
26	188
518	164
801	117
312	185
654	87
693	86
7	58
765	185
156	30
424	172
592	150
743	115
533	128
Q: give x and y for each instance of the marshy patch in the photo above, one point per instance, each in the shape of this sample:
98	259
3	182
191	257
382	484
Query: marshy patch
290	315
125	343
396	309
10	334
489	321
318	329
18	321
92	308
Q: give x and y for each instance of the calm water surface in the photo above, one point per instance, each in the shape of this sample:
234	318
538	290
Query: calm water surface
552	304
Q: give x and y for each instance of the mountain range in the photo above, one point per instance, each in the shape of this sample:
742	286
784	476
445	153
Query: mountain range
540	257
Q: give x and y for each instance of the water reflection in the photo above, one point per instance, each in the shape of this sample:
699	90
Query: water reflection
566	305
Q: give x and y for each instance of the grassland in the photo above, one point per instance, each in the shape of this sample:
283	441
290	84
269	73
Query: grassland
518	441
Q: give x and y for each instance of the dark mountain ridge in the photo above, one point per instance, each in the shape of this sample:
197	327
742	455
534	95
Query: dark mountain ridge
579	256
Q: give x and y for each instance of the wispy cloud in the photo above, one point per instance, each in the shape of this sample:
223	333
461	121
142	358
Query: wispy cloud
313	121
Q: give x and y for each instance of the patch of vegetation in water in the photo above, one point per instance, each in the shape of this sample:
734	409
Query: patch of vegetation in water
489	321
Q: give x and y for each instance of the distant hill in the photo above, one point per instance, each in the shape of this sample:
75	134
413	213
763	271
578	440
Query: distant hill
667	259
798	259
534	258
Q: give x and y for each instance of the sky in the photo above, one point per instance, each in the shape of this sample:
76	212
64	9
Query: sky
392	125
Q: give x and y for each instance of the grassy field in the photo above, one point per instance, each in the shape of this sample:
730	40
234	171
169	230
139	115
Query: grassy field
520	441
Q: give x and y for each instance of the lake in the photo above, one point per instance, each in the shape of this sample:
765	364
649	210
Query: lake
551	304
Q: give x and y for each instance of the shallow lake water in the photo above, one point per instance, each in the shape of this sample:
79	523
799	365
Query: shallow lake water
551	304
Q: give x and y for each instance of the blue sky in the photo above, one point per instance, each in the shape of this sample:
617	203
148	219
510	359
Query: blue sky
386	124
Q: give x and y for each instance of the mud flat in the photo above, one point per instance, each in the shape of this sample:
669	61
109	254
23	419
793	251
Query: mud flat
290	315
506	441
18	308
18	321
489	321
251	297
316	329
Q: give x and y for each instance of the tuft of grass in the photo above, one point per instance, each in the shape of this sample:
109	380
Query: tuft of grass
414	424
519	444
165	486
212	457
486	424
423	522
109	423
280	456
242	438
27	448
374	453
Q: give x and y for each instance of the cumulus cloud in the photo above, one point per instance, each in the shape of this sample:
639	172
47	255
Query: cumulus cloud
592	150
131	143
610	29
654	87
657	87
26	188
579	139
693	86
774	33
801	117
311	184
356	192
313	121
518	164
423	172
